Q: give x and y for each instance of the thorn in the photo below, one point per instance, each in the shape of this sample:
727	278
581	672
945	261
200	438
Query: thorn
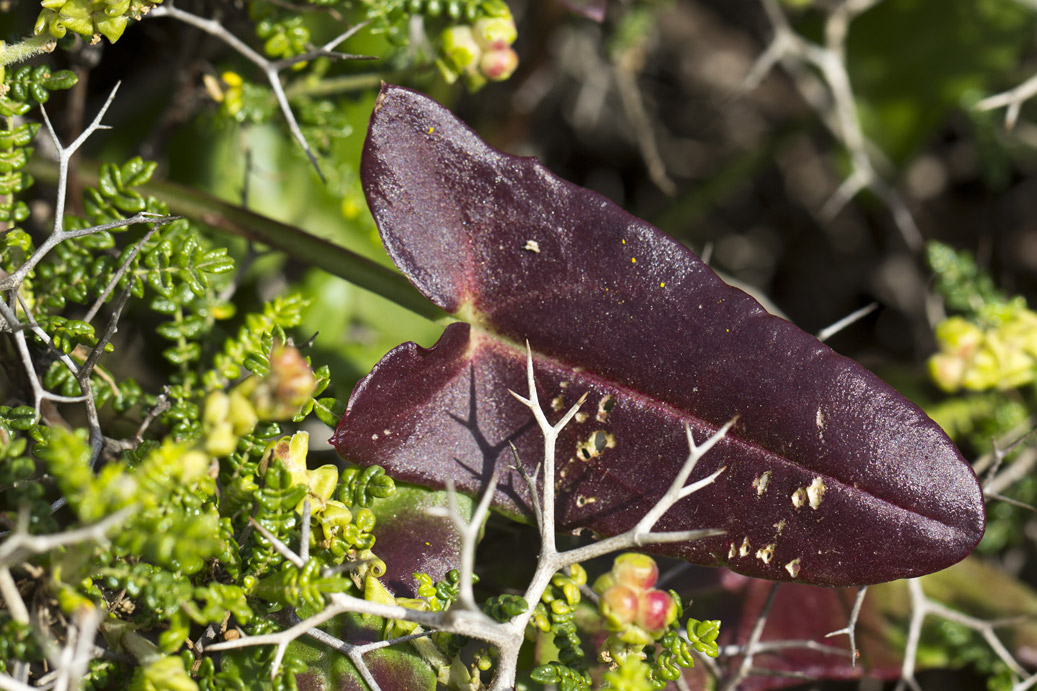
522	399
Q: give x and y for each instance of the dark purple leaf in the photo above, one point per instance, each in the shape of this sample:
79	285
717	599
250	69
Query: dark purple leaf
409	540
832	477
807	613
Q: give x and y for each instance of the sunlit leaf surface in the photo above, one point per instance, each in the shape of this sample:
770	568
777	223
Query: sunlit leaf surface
831	477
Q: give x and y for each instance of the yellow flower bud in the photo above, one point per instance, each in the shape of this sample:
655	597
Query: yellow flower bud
494	33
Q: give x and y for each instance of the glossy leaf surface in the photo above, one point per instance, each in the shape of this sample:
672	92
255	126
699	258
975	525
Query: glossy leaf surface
831	476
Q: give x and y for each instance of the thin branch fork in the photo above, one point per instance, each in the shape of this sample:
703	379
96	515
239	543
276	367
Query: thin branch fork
922	607
550	560
11	284
468	620
839	110
270	68
1012	100
469	532
850	630
20	543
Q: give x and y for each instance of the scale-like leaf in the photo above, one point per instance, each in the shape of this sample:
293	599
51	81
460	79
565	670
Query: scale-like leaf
831	476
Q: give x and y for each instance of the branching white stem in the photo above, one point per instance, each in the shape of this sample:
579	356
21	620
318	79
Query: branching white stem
837	108
270	68
921	607
40	394
13	280
550	433
1012	101
11	284
351	651
850	630
20	544
469	532
356	652
467	619
550	560
751	646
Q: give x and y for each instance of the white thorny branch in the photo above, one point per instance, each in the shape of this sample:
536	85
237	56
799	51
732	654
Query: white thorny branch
754	646
271	68
16	315
1013	99
835	103
465	618
69	661
922	607
833	100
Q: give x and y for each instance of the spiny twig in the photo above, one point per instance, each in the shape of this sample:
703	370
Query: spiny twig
838	107
270	68
922	607
467	620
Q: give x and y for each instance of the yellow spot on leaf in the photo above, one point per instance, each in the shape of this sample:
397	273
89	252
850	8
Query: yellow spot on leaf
766	553
816	492
761	483
595	445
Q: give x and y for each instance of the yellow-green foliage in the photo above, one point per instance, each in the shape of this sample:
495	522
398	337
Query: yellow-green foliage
996	351
165	674
90	17
991	341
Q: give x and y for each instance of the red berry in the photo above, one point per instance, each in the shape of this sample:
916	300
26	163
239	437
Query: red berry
656	610
498	65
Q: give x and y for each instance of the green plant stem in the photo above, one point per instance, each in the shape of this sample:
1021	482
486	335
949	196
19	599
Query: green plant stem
338	85
121	635
23	50
298	244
